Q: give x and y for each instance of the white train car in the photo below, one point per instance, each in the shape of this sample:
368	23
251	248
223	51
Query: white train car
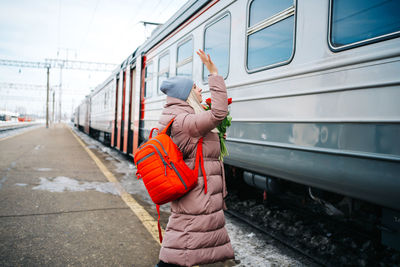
83	115
315	94
102	111
315	87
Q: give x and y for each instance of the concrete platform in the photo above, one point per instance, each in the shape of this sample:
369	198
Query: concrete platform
44	228
59	208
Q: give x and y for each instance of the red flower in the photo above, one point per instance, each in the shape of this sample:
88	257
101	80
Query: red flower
229	100
208	101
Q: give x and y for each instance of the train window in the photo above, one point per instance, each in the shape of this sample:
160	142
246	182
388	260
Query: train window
216	43
163	70
184	59
261	10
148	80
356	22
270	33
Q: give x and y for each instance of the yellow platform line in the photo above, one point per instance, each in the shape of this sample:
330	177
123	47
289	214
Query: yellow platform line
149	223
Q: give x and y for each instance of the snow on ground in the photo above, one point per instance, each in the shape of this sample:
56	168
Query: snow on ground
4	134
10	123
43	169
252	248
123	166
61	184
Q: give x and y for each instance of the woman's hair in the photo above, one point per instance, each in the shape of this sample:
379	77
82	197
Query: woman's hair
196	105
194	102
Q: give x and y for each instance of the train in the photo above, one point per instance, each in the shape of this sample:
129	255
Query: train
315	88
8	116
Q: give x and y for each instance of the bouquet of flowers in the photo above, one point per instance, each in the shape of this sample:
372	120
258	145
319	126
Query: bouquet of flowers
221	128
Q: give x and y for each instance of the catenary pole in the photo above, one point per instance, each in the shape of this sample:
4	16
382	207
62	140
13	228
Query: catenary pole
61	64
54	101
59	96
47	99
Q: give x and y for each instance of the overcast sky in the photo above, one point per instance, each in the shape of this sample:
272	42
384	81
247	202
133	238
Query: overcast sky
86	30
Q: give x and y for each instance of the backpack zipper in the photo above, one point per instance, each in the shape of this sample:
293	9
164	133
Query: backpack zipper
165	163
179	175
172	164
145	157
161	156
161	147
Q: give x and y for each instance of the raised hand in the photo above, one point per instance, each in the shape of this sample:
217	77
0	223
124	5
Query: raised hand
207	62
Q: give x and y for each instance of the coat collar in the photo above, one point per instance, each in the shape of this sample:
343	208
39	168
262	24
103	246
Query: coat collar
178	103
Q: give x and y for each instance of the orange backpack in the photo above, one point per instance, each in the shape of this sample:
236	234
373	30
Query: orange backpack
160	165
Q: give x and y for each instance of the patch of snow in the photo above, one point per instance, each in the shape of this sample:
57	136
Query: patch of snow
61	184
5	176
129	181
3	179
43	169
21	184
252	249
251	235
9	133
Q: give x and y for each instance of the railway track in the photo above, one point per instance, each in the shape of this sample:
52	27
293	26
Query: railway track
282	240
324	240
6	128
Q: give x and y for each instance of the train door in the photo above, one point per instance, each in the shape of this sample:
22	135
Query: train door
126	109
87	116
132	80
115	121
138	100
77	117
121	131
118	108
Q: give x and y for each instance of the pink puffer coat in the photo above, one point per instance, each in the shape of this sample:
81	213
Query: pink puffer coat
196	232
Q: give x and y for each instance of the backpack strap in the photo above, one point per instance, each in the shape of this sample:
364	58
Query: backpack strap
199	159
167	127
158	224
199	156
163	131
151	132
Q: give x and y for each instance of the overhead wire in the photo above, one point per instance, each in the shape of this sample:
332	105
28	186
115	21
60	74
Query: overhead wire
89	25
131	24
59	24
169	3
132	20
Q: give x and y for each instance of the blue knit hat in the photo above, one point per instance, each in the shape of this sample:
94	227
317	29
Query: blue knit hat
178	87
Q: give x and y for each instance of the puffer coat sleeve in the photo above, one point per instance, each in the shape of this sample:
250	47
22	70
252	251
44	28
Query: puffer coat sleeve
196	233
198	125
